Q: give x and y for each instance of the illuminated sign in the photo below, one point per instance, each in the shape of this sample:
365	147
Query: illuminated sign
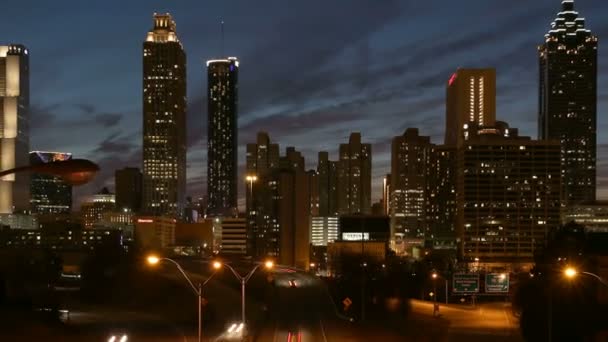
452	79
354	236
145	221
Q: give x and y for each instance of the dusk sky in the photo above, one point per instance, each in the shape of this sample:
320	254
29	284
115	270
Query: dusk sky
310	73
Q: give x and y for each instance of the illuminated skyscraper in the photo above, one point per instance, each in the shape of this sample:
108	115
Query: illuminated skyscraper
164	111
354	177
471	97
93	208
568	99
410	196
14	129
222	100
49	194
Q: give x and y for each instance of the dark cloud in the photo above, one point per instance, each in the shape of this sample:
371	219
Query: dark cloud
108	120
115	144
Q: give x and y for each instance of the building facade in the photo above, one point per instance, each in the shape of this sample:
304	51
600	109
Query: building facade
154	232
128	182
164	120
411	164
568	101
442	206
471	97
93	208
262	159
327	173
15	130
354	177
234	236
49	194
222	128
508	194
323	230
593	216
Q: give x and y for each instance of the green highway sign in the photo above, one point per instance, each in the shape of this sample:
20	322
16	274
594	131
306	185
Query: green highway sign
465	283
497	283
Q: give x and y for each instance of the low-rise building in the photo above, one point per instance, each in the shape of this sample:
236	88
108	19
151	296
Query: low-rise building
593	216
154	232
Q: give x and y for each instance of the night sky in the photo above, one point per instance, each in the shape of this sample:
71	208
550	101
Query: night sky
311	71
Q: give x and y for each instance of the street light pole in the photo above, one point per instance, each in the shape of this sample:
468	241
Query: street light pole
243	280
198	290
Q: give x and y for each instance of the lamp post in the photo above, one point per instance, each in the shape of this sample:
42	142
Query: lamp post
434	276
571	273
244	279
198	290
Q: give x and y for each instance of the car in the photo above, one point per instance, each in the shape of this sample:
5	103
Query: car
292	283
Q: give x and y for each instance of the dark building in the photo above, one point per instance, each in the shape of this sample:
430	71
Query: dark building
262	159
508	194
372	228
222	128
568	99
128	183
328	185
15	124
442	205
354	177
164	120
49	194
280	207
471	97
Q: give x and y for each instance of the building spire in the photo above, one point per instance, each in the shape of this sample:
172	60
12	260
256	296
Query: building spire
222	39
568	5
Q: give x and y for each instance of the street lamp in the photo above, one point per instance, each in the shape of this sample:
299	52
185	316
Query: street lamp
571	273
154	260
435	276
268	264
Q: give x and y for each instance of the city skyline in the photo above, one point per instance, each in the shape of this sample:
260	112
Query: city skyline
351	100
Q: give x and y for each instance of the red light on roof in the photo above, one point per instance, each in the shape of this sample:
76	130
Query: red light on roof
452	79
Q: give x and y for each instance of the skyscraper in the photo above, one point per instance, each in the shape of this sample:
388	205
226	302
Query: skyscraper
93	208
508	194
14	132
164	123
262	159
471	97
222	101
128	183
410	196
49	194
354	177
567	100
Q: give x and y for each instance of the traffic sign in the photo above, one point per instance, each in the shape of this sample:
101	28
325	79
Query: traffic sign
497	283
465	283
347	302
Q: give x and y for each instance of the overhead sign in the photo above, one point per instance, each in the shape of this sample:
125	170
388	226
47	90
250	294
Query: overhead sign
497	283
465	283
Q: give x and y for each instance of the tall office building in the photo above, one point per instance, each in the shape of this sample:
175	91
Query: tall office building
164	112
128	183
442	208
354	177
262	159
14	129
411	163
281	206
222	127
568	99
49	194
508	194
328	185
471	97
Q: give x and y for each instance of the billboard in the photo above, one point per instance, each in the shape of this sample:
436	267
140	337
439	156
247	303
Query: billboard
497	283
465	283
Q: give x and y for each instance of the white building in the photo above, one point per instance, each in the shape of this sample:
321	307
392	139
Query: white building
323	230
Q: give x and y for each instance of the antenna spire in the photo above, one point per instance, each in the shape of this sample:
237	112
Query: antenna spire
222	38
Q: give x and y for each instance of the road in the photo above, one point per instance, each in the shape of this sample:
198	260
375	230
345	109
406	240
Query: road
486	322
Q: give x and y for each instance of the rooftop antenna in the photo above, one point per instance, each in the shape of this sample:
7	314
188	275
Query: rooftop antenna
222	41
